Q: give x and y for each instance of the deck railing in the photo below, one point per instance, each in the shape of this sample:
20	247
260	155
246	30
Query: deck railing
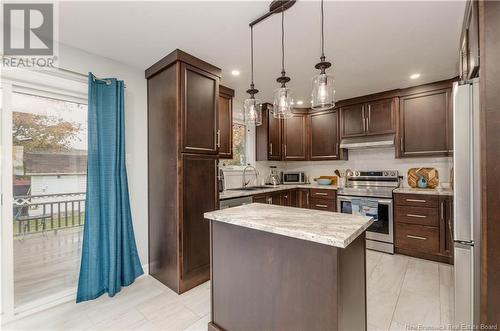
40	213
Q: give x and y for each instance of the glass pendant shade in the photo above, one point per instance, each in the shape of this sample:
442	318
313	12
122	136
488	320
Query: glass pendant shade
323	92
253	111
283	103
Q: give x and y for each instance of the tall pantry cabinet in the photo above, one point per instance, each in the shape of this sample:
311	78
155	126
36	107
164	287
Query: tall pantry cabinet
183	141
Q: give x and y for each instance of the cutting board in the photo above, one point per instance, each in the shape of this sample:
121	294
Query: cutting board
431	175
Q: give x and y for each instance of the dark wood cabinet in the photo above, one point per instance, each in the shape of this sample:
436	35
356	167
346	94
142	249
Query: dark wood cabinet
268	136
225	118
199	195
380	116
303	198
183	95
426	123
372	117
323	199
295	138
353	120
199	110
324	136
263	198
422	225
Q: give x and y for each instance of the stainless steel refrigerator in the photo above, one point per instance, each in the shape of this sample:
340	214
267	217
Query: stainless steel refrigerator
467	201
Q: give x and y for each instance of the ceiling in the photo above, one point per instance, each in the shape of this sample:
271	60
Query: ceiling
374	46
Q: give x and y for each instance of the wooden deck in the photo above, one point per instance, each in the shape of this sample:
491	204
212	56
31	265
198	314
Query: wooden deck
45	264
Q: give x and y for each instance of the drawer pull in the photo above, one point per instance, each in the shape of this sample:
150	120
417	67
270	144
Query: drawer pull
417	216
318	193
416	237
416	200
322	206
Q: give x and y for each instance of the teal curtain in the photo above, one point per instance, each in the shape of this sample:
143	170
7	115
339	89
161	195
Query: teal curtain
109	253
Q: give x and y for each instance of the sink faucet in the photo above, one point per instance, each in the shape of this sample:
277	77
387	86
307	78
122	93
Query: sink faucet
246	182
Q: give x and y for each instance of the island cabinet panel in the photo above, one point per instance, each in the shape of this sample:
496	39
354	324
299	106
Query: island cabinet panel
225	118
199	105
324	136
183	94
266	281
353	120
260	198
422	226
426	123
295	138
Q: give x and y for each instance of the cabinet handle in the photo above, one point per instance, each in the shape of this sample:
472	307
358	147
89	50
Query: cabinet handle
336	149
271	148
442	210
285	149
416	237
417	216
401	144
307	198
322	206
319	193
416	200
218	138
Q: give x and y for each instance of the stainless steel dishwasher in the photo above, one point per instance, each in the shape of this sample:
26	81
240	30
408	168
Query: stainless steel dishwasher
228	203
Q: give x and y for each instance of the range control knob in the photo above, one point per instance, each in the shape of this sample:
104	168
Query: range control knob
385	173
357	173
393	173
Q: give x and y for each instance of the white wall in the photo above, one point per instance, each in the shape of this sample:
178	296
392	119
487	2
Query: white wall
375	159
135	130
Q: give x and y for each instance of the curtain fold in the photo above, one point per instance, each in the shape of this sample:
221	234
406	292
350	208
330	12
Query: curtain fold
109	253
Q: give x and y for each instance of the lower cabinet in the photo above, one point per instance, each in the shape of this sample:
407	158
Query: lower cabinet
319	199
423	226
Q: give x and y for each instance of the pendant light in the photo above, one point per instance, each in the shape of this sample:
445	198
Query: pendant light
252	106
283	101
323	89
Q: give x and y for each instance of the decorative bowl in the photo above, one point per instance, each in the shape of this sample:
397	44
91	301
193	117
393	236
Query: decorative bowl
324	181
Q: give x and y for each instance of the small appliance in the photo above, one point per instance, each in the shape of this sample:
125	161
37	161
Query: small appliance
221	183
293	177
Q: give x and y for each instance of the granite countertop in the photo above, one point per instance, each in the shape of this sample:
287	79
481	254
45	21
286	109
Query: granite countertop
333	229
436	191
230	194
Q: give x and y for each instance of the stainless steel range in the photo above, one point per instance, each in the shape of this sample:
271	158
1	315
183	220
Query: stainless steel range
369	193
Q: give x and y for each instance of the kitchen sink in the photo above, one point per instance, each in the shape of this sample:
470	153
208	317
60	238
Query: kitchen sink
249	188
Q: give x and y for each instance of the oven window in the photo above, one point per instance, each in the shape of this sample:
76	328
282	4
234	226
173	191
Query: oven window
379	212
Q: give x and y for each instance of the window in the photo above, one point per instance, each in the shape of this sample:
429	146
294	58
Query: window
239	146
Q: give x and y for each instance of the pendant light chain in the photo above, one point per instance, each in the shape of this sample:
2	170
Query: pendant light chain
251	53
283	42
322	32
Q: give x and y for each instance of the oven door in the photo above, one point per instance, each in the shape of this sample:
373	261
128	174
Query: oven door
382	228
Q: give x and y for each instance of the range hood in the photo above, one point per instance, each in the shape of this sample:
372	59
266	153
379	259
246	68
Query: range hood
368	142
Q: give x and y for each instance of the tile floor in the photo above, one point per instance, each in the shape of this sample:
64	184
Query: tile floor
402	291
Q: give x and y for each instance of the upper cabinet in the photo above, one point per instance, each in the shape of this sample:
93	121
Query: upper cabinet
324	136
469	42
199	110
295	137
225	118
425	119
274	130
369	117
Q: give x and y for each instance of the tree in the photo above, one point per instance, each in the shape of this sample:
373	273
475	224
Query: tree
40	132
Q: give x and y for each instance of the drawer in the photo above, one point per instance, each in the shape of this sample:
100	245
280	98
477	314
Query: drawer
323	194
417	215
418	238
322	204
417	200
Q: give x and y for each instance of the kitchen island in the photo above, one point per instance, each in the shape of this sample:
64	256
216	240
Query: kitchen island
284	268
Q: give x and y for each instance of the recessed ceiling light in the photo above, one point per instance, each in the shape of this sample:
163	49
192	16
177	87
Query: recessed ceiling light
235	72
414	76
300	102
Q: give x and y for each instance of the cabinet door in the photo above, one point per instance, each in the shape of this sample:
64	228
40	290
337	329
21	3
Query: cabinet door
199	99
260	199
294	198
353	120
199	195
225	118
424	123
286	198
276	198
295	138
303	198
323	136
380	117
274	136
